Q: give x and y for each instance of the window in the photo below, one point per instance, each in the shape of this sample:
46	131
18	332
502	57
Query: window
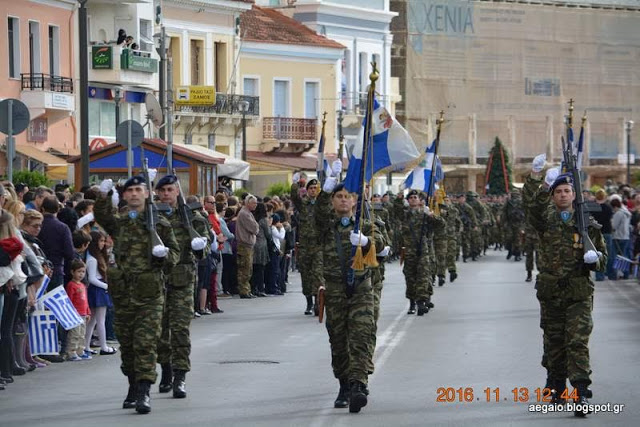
281	98
311	95
364	72
14	47
34	47
146	35
102	118
220	78
250	86
54	50
196	62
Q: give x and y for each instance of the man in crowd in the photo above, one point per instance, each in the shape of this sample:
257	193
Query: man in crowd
247	229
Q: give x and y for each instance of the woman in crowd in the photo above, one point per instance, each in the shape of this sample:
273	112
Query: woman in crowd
260	251
620	223
229	250
99	299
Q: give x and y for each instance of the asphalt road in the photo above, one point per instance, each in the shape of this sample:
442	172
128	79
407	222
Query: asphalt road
263	363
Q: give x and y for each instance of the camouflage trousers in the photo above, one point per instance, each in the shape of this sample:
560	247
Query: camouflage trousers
530	250
244	268
453	250
417	275
441	259
377	280
174	346
138	301
350	322
310	275
515	240
567	325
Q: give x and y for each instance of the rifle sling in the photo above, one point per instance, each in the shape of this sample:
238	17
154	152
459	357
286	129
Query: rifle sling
340	251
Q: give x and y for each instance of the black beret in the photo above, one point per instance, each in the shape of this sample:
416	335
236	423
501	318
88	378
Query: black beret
166	180
338	188
135	180
563	179
413	193
311	182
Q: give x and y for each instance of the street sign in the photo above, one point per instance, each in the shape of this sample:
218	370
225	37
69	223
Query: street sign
124	135
101	57
195	95
19	117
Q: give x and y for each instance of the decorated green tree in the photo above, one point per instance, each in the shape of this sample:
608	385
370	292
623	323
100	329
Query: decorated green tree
498	176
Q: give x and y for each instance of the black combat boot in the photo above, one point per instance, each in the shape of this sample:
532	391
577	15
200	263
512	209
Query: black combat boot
441	280
452	276
557	387
529	276
422	307
165	379
342	401
412	307
464	259
509	254
518	257
583	394
357	398
143	400
309	310
130	400
429	303
179	390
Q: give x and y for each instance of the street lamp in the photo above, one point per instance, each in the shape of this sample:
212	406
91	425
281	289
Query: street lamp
243	106
117	97
628	127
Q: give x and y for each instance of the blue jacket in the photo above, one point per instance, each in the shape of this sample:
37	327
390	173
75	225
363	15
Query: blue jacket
56	243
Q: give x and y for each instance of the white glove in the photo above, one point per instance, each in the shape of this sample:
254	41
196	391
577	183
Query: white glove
538	163
160	251
384	252
86	219
296	177
115	199
551	176
198	244
106	186
358	239
329	184
152	176
590	257
336	167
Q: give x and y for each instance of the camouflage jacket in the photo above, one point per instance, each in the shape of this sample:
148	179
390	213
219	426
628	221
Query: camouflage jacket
513	214
454	223
131	239
417	226
560	253
306	207
200	225
468	216
333	265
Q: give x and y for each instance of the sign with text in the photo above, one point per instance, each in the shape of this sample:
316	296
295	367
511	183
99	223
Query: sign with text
196	95
38	130
134	60
101	57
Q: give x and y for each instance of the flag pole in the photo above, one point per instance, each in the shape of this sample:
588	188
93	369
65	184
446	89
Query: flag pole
439	123
320	161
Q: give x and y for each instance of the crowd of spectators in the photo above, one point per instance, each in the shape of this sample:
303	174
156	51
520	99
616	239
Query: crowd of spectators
48	237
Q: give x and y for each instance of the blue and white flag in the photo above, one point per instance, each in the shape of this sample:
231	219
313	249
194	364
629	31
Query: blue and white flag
43	288
392	149
60	305
43	333
580	149
420	177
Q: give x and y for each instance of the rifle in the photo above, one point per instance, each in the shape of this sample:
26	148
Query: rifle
186	211
340	138
150	207
581	207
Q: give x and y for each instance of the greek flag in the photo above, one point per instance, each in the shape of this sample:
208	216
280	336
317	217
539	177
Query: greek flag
43	333
580	149
43	288
420	177
60	305
392	148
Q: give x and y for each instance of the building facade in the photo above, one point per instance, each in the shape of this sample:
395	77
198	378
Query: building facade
508	70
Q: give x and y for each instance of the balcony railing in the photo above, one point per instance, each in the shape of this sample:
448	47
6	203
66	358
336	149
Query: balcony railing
39	81
225	104
289	129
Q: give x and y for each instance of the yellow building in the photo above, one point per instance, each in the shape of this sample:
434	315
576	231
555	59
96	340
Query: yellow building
296	75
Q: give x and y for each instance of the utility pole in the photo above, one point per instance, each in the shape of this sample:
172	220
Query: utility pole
84	97
628	127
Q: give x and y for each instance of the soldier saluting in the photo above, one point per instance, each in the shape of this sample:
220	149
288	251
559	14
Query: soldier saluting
191	230
144	244
564	288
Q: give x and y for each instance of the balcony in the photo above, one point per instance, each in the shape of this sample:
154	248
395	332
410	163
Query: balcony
226	110
48	95
122	66
288	132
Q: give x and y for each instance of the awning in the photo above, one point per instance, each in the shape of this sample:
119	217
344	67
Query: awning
55	167
232	167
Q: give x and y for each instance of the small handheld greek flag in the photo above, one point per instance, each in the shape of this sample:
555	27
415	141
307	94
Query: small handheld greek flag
622	264
60	305
43	333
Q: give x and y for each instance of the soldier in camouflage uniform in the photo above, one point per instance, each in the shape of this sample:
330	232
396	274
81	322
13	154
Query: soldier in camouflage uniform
306	254
136	284
452	232
174	346
416	240
513	216
470	224
478	233
394	225
350	318
564	288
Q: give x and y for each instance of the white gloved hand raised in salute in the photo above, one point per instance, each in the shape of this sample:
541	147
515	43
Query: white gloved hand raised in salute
296	177
358	239
538	163
551	176
106	186
336	167
329	184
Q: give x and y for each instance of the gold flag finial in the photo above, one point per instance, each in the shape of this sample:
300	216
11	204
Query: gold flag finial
584	117
440	120
570	118
324	118
374	74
